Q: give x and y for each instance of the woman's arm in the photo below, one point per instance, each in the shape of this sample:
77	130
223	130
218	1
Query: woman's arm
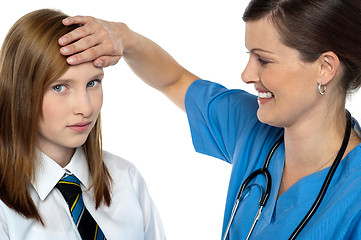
106	42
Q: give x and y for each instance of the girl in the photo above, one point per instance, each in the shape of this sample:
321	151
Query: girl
50	137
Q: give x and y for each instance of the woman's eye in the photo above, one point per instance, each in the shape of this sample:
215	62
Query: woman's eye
93	83
59	88
263	62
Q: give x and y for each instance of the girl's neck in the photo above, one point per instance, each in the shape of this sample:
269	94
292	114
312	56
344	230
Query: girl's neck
60	156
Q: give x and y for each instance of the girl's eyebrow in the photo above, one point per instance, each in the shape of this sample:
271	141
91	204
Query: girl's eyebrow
67	80
63	80
100	75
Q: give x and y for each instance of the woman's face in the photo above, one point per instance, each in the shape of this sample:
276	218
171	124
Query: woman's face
71	106
286	86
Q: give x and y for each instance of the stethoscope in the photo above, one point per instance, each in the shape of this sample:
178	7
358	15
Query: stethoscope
246	186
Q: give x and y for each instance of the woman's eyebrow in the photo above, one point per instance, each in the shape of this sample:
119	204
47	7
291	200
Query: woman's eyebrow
255	50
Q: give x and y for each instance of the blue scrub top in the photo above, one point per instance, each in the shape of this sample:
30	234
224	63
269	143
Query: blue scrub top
224	125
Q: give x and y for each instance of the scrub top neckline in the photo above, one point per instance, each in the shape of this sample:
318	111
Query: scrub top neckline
294	195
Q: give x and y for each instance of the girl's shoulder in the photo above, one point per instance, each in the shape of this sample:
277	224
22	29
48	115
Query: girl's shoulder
121	169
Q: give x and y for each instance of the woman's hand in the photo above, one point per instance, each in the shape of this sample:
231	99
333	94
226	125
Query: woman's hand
106	42
96	40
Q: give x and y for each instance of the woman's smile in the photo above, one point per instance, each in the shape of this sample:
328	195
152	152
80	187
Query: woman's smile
264	97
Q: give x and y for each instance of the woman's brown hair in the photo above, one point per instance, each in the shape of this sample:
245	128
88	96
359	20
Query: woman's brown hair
317	26
30	61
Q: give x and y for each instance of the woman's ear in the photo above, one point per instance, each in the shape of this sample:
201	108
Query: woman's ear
329	66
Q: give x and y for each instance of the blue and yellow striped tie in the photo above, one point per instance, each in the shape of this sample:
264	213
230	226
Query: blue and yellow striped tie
69	187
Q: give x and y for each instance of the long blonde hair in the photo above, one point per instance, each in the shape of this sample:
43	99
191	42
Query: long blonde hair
30	61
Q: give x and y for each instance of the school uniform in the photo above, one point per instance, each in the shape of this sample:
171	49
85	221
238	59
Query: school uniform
132	214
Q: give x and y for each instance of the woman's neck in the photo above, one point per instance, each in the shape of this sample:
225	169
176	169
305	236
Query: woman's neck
313	142
313	146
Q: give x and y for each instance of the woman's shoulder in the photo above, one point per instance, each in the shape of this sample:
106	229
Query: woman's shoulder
348	176
351	164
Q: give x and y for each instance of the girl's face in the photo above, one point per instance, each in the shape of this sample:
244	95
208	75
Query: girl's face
71	106
286	86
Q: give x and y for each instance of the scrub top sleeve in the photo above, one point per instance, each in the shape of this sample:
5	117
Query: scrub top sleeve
218	116
153	227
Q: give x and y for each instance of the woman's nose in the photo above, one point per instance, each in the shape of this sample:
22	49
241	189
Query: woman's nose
250	74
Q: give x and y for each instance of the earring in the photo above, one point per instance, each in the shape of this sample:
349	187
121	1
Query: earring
319	89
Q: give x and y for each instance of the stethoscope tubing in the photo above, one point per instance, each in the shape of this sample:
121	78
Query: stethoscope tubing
327	181
266	173
264	197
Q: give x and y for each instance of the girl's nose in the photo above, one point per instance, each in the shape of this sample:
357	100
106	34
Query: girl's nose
82	104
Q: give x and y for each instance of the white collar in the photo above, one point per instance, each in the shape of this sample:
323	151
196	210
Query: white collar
48	172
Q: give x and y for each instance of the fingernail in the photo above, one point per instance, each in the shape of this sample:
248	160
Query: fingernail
70	60
64	50
63	40
100	63
66	21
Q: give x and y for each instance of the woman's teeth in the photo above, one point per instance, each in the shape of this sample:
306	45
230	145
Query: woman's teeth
265	95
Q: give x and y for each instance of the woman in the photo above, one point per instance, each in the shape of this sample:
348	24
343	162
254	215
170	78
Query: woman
302	74
50	137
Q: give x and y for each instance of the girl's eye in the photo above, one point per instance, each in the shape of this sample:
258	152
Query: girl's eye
93	83
59	88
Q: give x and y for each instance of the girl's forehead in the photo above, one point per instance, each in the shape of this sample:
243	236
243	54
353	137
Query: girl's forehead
82	71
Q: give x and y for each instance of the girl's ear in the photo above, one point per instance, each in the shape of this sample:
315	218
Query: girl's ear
329	65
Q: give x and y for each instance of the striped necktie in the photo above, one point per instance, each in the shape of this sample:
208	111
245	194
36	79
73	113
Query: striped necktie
69	187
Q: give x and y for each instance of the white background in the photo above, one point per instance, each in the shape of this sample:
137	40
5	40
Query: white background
141	125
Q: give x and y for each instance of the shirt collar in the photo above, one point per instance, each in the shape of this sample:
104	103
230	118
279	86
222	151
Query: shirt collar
78	166
48	172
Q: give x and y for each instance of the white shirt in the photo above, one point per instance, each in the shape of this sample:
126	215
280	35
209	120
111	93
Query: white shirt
132	214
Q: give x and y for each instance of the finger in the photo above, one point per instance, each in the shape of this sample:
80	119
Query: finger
92	53
112	60
86	56
76	34
106	61
77	20
81	44
88	49
88	27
